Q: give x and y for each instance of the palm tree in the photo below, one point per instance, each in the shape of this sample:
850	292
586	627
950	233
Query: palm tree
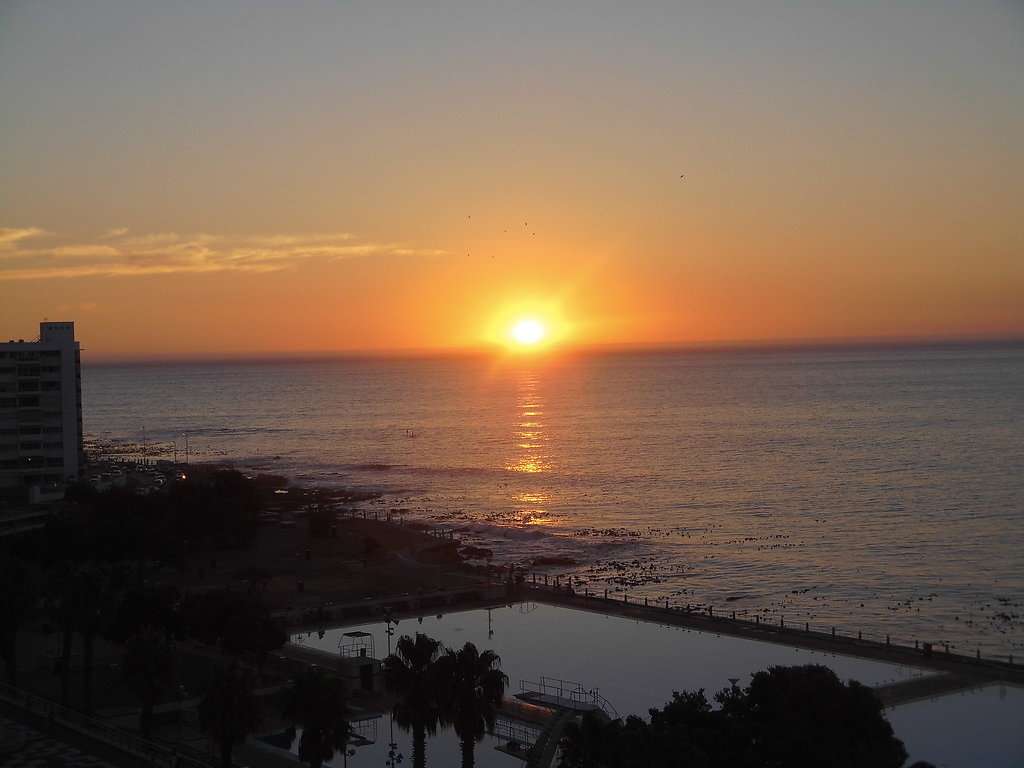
95	595
60	597
473	689
148	667
19	589
230	710
411	673
316	702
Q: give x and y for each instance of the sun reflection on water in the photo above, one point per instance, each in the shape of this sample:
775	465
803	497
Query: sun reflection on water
528	428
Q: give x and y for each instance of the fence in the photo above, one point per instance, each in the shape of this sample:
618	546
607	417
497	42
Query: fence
130	743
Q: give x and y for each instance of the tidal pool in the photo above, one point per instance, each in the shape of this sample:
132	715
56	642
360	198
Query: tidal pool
637	665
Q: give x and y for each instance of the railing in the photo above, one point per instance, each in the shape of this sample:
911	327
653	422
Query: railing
130	743
568	690
741	618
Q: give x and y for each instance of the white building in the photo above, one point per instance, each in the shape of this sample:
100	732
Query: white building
40	413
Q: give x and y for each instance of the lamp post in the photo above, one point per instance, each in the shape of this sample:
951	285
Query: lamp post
390	631
394	756
186	447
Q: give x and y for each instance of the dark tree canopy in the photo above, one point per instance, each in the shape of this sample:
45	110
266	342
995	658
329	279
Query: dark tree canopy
788	716
236	621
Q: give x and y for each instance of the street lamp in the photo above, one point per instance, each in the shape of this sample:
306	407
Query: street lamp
390	630
347	752
394	756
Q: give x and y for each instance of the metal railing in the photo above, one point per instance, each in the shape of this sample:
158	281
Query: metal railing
124	741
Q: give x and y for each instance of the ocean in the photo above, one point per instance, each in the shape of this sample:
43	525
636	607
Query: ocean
874	489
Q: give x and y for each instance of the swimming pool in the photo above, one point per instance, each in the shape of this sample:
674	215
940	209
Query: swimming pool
637	665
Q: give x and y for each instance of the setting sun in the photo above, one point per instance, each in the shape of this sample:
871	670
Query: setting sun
528	332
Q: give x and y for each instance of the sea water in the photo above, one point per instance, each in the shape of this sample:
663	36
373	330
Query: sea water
872	489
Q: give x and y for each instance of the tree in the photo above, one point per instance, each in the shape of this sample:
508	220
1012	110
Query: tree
147	666
806	716
236	621
94	597
19	590
473	691
145	607
60	597
412	674
793	716
230	710
316	703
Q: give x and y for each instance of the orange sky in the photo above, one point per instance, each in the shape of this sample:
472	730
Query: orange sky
357	177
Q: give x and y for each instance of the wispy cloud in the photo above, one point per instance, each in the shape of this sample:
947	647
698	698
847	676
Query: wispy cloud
33	254
10	236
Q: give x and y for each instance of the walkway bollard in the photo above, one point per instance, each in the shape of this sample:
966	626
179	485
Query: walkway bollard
807	626
859	637
606	594
757	620
833	631
734	615
782	622
886	639
545	579
711	611
625	597
666	603
645	602
978	654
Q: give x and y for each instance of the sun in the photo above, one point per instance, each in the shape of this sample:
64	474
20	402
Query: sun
528	332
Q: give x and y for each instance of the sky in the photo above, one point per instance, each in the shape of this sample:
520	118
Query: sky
240	178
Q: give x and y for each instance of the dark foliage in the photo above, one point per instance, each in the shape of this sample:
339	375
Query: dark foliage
316	702
146	607
230	710
792	716
236	621
219	511
413	673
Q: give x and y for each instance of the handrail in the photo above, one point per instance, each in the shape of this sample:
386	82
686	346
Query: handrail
130	743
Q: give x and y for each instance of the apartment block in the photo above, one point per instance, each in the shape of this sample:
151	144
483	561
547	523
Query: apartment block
40	412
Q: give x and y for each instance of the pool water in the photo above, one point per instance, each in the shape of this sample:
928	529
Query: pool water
637	665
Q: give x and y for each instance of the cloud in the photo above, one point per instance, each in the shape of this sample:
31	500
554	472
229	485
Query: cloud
83	306
119	255
11	236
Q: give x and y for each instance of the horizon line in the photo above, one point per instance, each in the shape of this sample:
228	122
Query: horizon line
735	345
